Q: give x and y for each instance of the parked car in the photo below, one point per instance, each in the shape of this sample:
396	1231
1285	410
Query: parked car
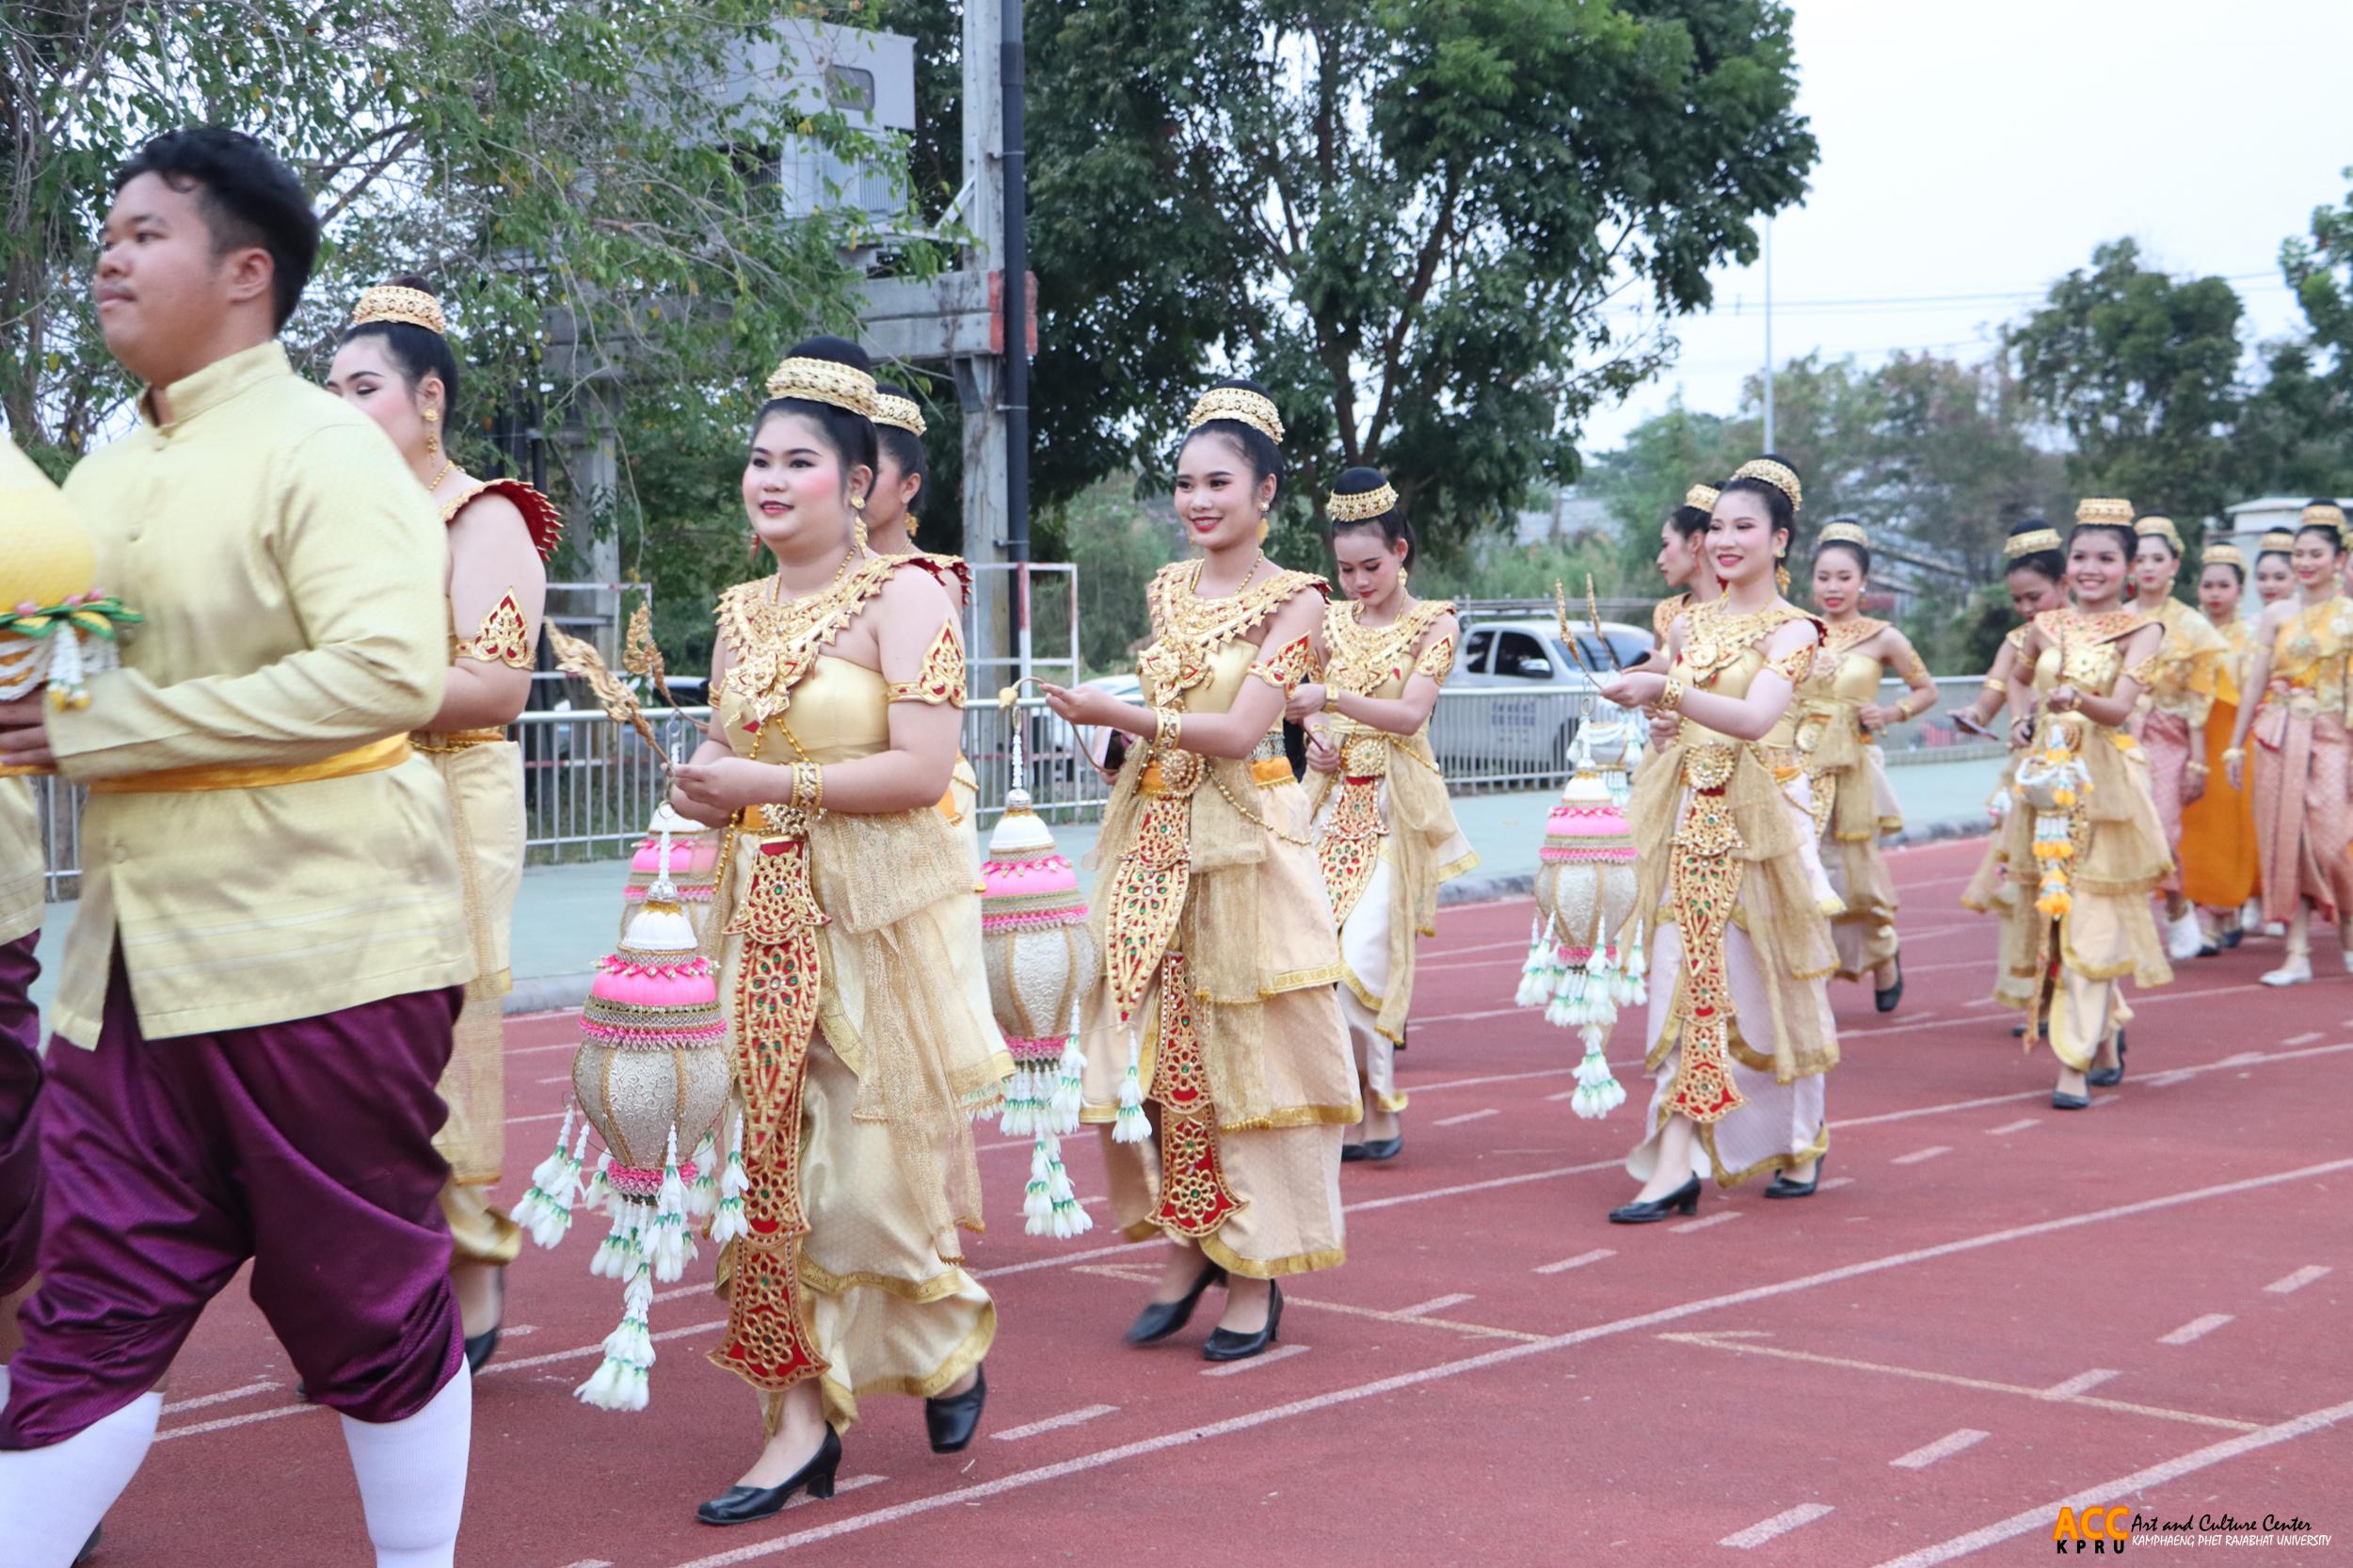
1529	731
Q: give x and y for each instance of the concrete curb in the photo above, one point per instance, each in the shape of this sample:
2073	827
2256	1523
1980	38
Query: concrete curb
555	993
1487	890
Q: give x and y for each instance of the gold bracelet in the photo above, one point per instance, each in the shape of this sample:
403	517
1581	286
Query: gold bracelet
1670	697
1995	683
809	787
1167	725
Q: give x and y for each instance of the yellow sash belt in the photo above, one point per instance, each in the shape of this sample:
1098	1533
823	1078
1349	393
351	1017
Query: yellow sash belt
377	756
456	740
1263	771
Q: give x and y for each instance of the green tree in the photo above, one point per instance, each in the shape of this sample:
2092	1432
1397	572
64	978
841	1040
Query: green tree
596	214
1410	220
2140	369
2295	432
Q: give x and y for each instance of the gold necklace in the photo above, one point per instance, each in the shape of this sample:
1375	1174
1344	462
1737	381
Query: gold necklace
447	464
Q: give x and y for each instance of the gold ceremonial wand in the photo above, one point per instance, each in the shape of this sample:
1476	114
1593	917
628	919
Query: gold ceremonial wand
1593	608
575	657
1568	633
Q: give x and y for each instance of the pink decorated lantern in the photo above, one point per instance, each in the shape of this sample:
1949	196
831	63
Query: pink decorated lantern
693	855
1577	971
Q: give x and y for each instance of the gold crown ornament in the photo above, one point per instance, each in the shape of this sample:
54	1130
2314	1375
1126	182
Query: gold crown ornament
1702	497
55	627
2222	555
1361	507
1844	531
900	413
393	302
2323	514
2162	528
2032	542
1779	475
1240	404
813	381
2107	510
2276	541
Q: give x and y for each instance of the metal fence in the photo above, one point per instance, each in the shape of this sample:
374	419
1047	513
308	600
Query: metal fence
589	787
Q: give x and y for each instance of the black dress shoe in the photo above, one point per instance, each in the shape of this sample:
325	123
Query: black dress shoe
1225	1345
1158	1319
951	1420
2231	937
1384	1149
2107	1077
1886	1001
90	1545
481	1347
1351	1153
1782	1187
745	1505
2069	1102
1684	1200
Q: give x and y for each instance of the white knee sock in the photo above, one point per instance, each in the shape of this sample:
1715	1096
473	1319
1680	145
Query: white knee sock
412	1478
51	1498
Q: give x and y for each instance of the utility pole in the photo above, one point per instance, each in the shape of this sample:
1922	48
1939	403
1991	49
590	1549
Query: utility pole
979	376
1769	334
1013	77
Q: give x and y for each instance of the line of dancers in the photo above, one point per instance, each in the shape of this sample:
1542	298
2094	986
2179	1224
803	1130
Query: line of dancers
277	1031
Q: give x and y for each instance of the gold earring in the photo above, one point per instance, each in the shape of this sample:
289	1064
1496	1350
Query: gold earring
432	432
1264	528
858	523
1403	579
755	554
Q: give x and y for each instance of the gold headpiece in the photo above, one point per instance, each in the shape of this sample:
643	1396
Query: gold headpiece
2033	542
1774	474
1238	403
2276	541
1841	533
824	381
2104	509
900	413
2221	555
391	303
1702	497
1361	506
2323	513
2162	528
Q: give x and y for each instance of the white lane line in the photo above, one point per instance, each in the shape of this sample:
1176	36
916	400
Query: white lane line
222	1397
1053	1423
560	1078
2302	1039
1918	1155
1722	1216
1468	1116
527	1121
2197	1328
1436	1303
2140	1481
1829	1182
589	1562
2009	1128
1944	1448
1780	1524
1577	1262
2082	1383
1280	1352
2297	1280
1504	1356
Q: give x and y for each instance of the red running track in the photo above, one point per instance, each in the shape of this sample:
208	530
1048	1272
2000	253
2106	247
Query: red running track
1991	1309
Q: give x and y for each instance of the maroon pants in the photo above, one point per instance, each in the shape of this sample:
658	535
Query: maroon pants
306	1146
20	1127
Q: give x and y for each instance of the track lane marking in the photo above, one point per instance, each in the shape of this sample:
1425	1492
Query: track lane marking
1916	1155
2297	1280
1264	1358
1053	1423
1779	1524
1577	1262
2080	1381
2196	1329
1944	1448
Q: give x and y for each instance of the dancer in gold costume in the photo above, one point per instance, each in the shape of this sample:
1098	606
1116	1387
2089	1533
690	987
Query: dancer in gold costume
395	366
2218	855
1683	562
851	975
2303	823
1840	716
1218	1000
2086	819
1386	834
1731	887
2174	707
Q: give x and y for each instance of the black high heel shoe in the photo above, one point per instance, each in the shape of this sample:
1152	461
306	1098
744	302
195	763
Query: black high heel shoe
481	1347
1886	1000
1384	1149
2107	1078
951	1420
1158	1319
1225	1345
1351	1153
1645	1211
1782	1187
746	1505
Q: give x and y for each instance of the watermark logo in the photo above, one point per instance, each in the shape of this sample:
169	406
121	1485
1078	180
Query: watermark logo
2098	1530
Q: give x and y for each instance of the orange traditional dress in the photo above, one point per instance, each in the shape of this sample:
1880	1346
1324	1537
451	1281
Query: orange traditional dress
2217	853
1732	889
1220	960
859	1026
2175	709
2303	827
2086	849
1854	805
1386	834
483	770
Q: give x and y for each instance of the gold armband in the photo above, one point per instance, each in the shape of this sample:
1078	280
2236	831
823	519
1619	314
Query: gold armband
1670	698
1167	725
1996	685
809	787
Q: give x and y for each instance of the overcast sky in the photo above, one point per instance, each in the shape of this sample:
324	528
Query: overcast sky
1983	149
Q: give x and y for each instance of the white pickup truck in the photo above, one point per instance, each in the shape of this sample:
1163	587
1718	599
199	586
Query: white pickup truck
1540	695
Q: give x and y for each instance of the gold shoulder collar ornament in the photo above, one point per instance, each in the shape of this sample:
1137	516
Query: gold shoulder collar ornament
774	645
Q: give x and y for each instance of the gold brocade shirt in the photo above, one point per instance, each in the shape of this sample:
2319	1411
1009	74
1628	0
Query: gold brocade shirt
2309	653
2183	672
23	861
290	567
